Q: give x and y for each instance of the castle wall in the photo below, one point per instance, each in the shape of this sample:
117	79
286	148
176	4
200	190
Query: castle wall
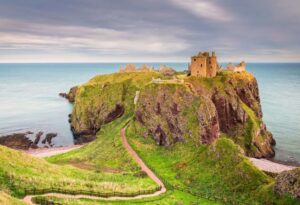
212	66
204	65
198	66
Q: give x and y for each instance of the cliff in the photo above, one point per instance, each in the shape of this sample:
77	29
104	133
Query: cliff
198	110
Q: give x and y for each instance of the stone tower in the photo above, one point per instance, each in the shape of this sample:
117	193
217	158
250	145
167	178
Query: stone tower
204	65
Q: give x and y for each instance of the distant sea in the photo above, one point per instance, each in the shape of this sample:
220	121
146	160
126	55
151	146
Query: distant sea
29	99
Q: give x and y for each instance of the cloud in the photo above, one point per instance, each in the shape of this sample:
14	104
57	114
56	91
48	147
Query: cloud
76	40
144	30
205	9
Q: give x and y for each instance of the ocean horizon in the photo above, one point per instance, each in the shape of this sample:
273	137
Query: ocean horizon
30	101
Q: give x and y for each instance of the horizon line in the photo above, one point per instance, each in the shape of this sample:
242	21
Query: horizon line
123	62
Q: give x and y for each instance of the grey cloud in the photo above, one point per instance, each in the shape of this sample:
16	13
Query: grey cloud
101	30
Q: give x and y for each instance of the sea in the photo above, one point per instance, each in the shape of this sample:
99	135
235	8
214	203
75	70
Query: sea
29	99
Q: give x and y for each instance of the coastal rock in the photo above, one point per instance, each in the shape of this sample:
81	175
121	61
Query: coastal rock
249	94
38	137
288	182
169	119
230	112
196	109
71	95
16	141
49	138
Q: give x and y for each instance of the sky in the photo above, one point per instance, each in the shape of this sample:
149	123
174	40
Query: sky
149	30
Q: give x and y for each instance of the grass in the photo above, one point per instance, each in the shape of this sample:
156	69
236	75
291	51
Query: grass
217	170
20	171
102	166
6	199
105	154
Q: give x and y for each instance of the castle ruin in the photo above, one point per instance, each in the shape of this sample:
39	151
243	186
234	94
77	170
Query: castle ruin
237	68
130	68
204	65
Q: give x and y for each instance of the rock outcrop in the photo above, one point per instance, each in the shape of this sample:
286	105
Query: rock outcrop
24	141
49	138
16	141
288	182
71	95
197	110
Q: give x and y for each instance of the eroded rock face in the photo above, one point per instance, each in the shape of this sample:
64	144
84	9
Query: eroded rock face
249	94
199	110
288	182
114	114
230	112
233	109
88	134
71	95
170	119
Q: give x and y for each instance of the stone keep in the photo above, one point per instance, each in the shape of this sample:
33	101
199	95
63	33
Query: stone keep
204	65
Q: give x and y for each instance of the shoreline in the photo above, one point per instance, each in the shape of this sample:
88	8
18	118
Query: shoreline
283	162
48	152
270	166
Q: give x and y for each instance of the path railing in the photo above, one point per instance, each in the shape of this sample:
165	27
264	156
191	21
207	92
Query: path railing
15	184
44	201
35	191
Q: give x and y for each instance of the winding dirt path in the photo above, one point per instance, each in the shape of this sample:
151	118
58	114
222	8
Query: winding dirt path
134	155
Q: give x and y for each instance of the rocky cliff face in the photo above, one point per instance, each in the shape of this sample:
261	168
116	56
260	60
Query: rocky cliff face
171	113
197	111
288	182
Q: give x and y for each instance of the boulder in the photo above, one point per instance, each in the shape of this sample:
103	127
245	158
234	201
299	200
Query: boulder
288	182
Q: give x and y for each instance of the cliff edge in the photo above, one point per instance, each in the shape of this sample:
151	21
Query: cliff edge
173	109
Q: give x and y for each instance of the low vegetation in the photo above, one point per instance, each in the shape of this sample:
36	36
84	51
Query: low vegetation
102	166
6	199
218	170
105	154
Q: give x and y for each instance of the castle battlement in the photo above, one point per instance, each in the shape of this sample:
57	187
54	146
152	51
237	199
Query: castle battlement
204	65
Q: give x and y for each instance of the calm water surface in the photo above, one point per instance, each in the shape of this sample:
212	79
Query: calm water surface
30	102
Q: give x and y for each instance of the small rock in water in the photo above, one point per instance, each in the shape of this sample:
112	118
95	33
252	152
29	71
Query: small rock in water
49	138
29	133
38	137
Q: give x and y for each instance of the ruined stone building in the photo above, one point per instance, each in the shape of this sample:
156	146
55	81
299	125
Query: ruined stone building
237	68
130	68
204	65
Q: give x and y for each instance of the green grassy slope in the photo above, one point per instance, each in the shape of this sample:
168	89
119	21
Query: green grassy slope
106	153
6	199
218	170
100	167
